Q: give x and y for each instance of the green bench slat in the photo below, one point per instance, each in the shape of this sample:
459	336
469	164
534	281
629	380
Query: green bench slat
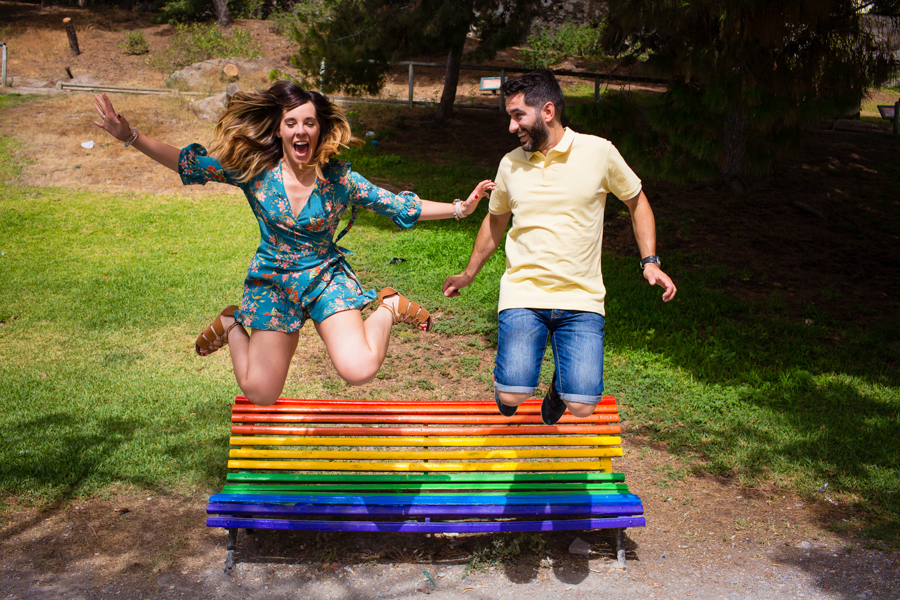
351	477
417	487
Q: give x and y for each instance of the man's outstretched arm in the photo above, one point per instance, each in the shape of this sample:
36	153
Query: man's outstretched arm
645	233
486	242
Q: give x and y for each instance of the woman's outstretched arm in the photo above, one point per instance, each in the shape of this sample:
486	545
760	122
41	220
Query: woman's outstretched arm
446	210
117	126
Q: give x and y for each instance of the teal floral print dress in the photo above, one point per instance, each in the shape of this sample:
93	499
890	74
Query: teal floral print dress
298	271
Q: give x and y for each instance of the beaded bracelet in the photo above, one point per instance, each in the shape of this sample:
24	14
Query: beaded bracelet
134	136
457	209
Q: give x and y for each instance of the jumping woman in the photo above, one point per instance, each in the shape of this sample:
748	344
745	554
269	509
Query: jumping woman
278	146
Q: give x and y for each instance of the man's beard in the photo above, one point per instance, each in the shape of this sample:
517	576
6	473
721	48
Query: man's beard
538	134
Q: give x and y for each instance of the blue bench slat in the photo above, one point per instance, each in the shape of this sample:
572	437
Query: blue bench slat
407	500
427	527
443	511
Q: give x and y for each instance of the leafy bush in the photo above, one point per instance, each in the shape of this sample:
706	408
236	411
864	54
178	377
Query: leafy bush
180	11
247	9
549	47
285	20
193	43
135	44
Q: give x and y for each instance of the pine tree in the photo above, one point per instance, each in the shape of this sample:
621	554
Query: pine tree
351	48
749	71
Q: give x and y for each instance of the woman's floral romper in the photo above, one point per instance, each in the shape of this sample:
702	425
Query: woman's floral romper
298	270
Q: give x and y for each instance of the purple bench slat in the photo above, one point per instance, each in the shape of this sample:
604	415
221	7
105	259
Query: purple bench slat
436	511
426	527
583	498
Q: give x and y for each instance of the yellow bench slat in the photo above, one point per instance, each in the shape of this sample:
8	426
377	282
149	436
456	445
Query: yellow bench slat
603	465
427	454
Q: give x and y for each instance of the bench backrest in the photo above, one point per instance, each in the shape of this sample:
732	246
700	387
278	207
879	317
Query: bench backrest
367	445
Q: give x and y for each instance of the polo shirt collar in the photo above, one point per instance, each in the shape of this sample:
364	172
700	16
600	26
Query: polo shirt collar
562	147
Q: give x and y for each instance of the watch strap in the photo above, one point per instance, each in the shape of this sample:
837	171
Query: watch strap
649	259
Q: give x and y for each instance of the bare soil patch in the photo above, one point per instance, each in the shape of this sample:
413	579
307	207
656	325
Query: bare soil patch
805	234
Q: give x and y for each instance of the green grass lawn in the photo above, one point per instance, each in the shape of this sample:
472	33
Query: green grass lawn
102	295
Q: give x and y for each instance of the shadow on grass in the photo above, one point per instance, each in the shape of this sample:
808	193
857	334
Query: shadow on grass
60	456
57	465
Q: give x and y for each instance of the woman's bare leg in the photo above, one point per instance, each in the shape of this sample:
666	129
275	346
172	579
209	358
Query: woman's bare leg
261	361
356	347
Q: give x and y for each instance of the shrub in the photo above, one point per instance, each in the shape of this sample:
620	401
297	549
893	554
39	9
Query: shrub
549	47
135	43
180	11
197	42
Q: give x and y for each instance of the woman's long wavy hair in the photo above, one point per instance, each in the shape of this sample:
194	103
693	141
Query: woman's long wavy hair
246	140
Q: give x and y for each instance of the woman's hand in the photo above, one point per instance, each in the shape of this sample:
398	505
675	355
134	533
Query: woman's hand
112	122
468	206
117	126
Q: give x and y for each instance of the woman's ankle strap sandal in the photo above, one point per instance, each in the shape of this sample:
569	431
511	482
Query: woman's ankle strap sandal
407	311
216	332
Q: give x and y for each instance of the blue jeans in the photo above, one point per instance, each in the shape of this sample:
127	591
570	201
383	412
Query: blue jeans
577	342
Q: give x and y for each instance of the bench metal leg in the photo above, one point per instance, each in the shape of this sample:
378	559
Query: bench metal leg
229	554
620	547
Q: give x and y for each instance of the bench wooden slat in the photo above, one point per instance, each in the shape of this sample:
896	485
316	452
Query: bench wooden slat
423	510
355	455
602	464
428	478
468	430
605	440
510	488
388	406
495	419
455	499
428	527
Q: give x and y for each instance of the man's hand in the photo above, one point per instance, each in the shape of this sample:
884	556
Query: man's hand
453	284
655	276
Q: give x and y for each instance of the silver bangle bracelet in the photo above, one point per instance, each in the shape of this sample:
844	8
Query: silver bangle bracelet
457	209
134	136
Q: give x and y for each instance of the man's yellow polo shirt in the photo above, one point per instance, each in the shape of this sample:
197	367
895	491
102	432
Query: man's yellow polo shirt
557	203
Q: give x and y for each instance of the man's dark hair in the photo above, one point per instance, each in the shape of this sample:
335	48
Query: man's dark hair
539	87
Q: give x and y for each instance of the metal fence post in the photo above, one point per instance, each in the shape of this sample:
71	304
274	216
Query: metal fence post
502	95
596	88
412	75
3	67
897	117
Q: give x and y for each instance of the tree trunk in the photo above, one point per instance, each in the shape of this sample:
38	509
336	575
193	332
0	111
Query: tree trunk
223	15
451	82
73	38
734	143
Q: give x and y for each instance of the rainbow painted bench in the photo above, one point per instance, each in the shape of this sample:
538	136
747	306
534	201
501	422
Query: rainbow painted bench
428	467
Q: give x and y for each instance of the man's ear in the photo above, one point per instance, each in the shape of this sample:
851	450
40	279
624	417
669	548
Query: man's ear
548	112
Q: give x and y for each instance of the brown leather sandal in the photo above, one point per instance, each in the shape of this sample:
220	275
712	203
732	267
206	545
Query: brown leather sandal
407	311
215	332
